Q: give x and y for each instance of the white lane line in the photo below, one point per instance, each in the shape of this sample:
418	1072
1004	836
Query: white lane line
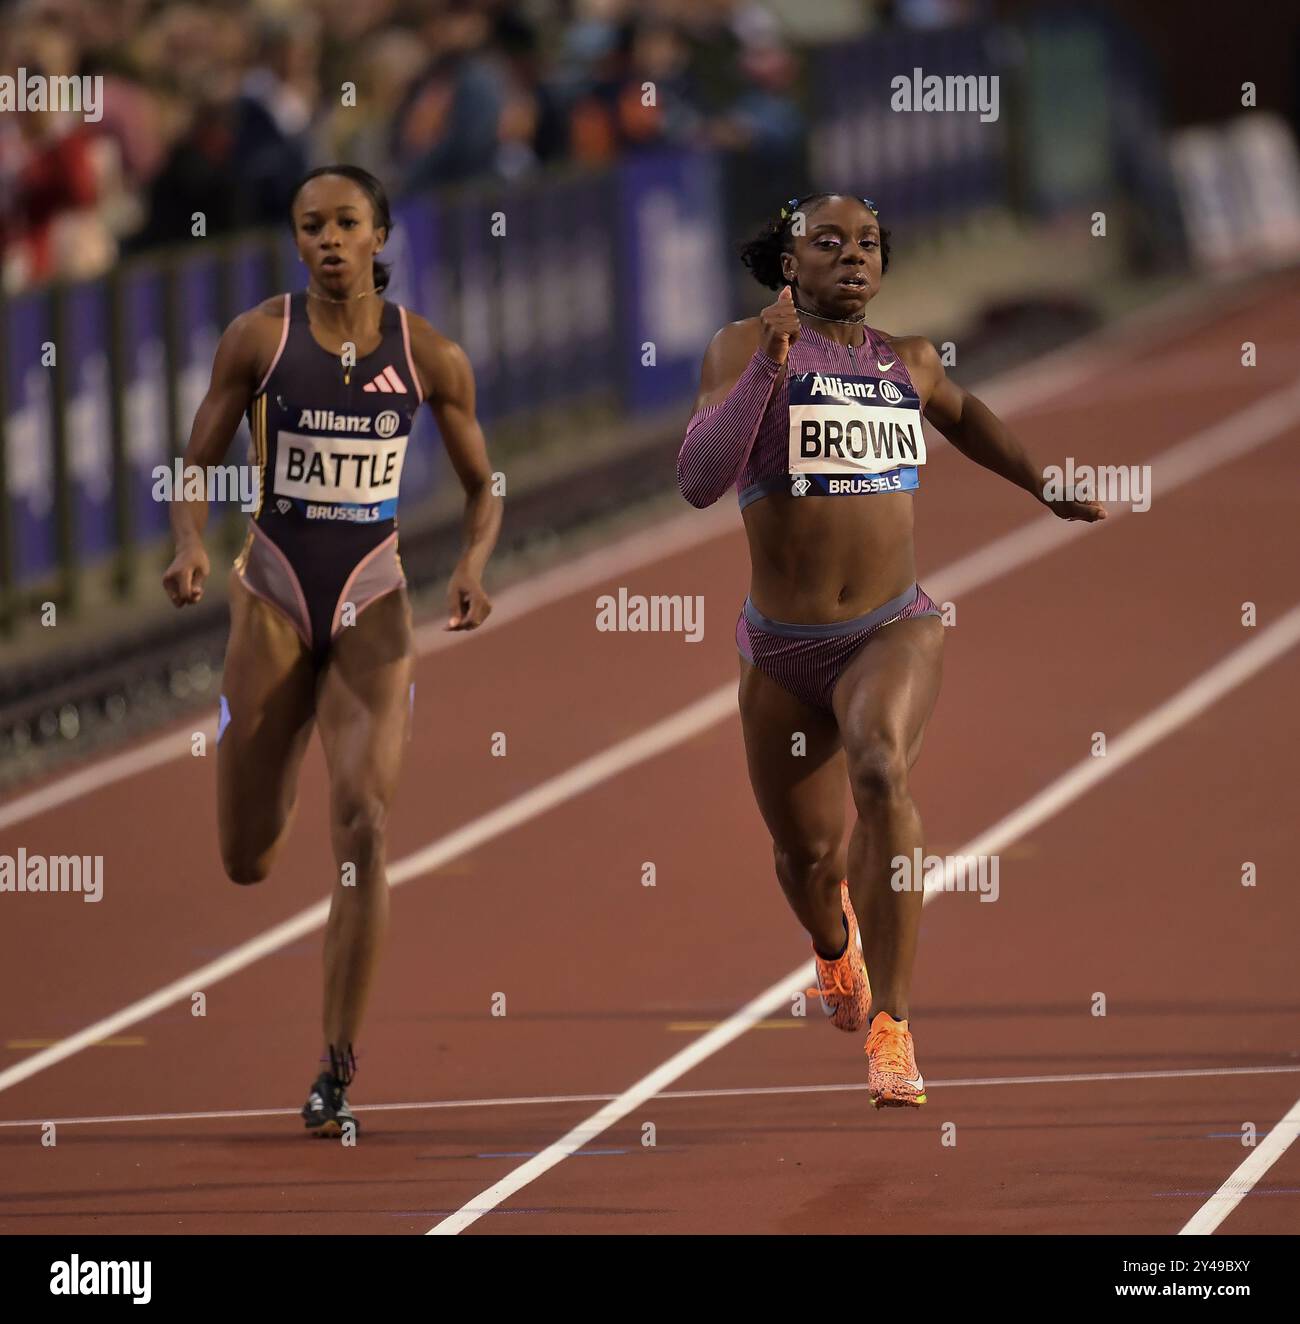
1180	708
679	533
1171	469
1054	373
1251	1170
744	1091
1003	555
646	744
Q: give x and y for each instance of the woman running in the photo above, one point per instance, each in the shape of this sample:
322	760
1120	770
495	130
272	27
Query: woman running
839	644
320	623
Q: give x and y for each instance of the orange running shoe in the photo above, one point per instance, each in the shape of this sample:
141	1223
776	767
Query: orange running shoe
843	983
892	1078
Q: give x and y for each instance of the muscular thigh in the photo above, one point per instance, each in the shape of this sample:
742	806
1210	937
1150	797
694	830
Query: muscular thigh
796	766
888	690
363	701
268	686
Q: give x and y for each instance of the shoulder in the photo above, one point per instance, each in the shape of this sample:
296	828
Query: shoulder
440	361
259	319
737	335
733	346
918	354
252	338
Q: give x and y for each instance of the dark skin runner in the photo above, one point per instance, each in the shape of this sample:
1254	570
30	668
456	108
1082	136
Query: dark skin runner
833	559
360	698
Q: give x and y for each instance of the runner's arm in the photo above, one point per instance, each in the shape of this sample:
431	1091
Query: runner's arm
736	383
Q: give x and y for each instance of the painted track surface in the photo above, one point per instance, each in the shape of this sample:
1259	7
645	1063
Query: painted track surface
1133	890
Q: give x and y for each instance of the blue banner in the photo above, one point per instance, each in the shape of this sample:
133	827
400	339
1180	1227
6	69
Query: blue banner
145	406
30	440
672	274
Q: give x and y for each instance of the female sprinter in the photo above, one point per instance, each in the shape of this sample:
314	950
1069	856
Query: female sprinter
320	624
816	418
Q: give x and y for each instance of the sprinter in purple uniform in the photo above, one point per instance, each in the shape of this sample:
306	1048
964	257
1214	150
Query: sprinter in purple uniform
815	418
330	380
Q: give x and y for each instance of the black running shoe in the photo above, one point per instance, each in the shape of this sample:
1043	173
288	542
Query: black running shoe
326	1110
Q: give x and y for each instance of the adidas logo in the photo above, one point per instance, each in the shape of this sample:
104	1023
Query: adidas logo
388	381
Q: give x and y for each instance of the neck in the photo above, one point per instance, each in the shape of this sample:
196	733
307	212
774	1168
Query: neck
354	310
843	331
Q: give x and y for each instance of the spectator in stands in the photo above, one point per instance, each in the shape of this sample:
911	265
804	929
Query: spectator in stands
50	174
446	130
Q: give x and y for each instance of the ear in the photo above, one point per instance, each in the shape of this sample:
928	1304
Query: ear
382	239
789	267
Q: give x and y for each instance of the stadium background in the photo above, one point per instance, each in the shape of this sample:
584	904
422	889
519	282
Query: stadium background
620	223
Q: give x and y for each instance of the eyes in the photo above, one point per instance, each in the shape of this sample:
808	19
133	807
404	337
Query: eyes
314	227
830	241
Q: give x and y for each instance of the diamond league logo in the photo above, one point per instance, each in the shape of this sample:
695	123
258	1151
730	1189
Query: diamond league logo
800	486
386	423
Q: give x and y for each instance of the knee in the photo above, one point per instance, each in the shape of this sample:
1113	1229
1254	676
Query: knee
359	831
878	772
808	862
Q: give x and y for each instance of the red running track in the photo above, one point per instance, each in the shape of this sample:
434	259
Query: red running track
1062	1120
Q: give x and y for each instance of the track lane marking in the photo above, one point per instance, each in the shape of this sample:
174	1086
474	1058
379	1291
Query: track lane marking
1186	460
1056	373
1244	1177
1193	699
737	1092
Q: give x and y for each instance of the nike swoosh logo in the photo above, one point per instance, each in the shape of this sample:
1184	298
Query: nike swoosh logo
885	367
917	1084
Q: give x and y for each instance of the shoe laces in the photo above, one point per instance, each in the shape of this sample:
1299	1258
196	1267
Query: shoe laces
889	1047
837	983
343	1067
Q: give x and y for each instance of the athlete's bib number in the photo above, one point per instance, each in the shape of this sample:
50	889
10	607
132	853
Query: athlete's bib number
339	470
853	434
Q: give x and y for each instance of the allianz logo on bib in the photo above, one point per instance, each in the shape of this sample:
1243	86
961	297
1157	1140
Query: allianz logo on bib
854	388
326	420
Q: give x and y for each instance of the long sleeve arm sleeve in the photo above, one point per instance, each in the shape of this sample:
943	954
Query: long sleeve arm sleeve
719	437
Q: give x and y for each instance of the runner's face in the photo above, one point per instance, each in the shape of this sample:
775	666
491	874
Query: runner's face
334	225
836	262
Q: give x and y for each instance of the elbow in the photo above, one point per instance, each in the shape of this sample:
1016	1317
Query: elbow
694	490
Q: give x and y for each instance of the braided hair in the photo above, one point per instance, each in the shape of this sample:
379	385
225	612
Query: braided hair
762	254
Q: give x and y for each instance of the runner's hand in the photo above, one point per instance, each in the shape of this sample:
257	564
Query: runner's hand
185	577
780	326
468	604
1088	511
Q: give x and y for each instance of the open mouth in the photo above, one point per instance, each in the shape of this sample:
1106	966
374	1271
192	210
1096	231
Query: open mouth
852	282
331	263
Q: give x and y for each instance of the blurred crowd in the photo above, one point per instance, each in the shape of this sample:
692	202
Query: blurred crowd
218	106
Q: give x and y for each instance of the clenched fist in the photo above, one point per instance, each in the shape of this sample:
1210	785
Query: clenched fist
780	326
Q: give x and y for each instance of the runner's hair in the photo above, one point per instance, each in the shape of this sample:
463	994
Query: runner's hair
762	253
374	190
